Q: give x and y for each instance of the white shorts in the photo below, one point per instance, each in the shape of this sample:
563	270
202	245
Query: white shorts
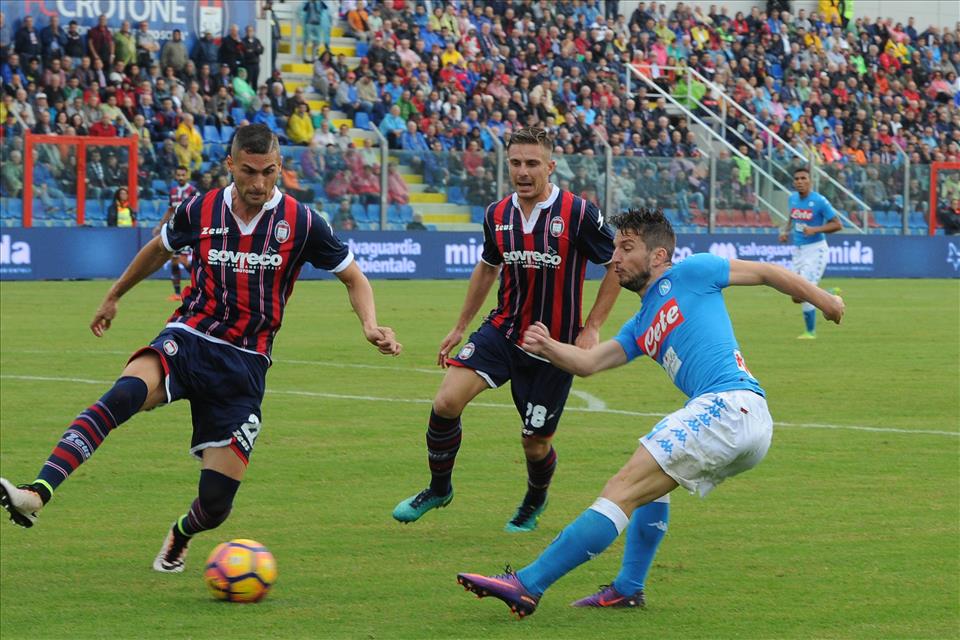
810	261
715	436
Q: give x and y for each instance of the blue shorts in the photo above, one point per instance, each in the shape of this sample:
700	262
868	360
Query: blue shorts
539	389
224	386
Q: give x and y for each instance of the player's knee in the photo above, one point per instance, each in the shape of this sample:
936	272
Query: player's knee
446	405
125	397
535	447
216	496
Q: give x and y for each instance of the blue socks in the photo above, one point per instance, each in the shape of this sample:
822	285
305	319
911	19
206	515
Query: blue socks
810	320
587	536
648	525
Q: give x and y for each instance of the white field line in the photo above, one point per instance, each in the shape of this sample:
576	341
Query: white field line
493	405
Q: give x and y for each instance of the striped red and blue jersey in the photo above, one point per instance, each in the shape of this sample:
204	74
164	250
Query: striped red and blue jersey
179	195
243	275
544	261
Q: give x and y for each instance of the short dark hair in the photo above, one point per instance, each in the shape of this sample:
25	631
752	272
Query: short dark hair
532	135
650	225
254	138
803	169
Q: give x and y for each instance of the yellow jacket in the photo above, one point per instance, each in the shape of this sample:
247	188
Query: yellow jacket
300	128
196	140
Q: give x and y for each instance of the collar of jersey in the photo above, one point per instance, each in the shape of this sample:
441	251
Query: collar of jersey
247	229
528	225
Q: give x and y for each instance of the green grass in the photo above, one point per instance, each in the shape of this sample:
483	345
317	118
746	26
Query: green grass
839	533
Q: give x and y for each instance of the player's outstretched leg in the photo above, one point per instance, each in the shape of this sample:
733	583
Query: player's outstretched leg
443	443
539	474
809	322
587	536
648	525
208	511
81	439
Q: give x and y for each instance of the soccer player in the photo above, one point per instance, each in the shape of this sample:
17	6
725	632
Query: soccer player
538	240
251	241
724	429
811	217
179	193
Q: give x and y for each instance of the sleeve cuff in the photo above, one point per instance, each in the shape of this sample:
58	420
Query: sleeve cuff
165	239
344	263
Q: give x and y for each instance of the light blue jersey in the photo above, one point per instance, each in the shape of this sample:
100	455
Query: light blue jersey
812	211
683	324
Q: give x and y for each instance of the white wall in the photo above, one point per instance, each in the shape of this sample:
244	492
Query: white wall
943	13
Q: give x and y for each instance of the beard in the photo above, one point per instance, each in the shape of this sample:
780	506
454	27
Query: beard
637	283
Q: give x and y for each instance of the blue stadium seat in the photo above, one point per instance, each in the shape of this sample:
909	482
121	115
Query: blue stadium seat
13	208
210	133
476	214
160	186
362	49
361	120
917	221
95	211
359	212
148	211
226	134
394	216
238	114
894	220
406	213
373	212
455	195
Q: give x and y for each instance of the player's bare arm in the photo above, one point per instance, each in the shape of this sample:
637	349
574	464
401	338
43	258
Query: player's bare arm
151	257
361	299
481	280
743	272
785	230
832	226
607	295
570	358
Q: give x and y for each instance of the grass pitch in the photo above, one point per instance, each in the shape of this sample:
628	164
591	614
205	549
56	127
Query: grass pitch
849	529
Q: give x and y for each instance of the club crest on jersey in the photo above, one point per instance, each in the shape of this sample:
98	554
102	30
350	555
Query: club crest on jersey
664	287
466	351
170	347
556	226
282	231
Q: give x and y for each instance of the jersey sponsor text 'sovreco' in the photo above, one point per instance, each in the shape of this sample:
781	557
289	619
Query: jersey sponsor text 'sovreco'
544	261
683	324
812	211
243	274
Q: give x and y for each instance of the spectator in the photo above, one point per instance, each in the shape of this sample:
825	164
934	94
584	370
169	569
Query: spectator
316	27
312	163
125	45
100	43
282	106
96	176
242	91
120	213
53	40
398	192
393	126
343	219
231	50
291	184
949	217
187	157
174	53
147	47
266	116
104	127
357	18
300	125
206	52
252	51
347	98
11	175
417	223
26	42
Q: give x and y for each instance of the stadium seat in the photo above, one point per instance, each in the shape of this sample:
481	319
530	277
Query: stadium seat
359	212
160	186
226	134
455	195
210	133
373	212
148	211
894	220
13	208
917	221
362	49
476	214
361	120
238	114
406	213
393	214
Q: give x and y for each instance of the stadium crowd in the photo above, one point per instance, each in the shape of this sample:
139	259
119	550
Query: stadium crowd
439	80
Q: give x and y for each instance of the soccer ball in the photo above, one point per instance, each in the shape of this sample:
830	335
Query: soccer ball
240	571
